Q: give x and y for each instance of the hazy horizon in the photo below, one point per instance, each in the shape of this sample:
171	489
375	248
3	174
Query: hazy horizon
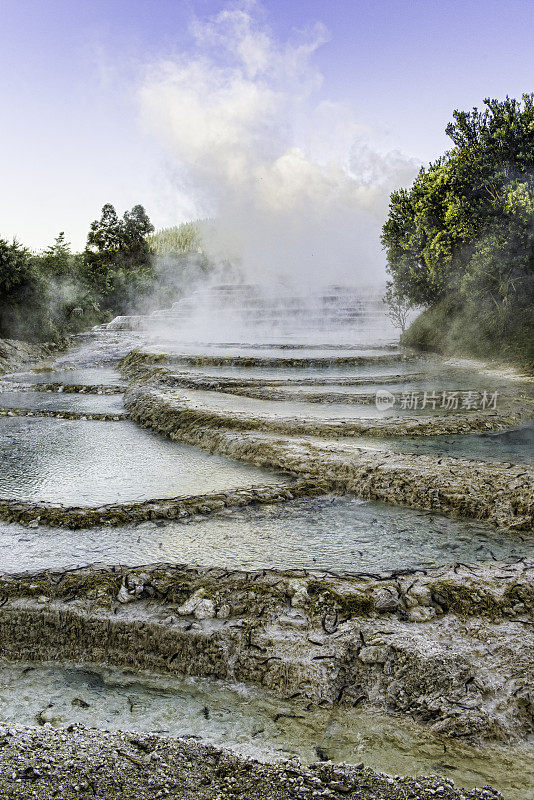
271	114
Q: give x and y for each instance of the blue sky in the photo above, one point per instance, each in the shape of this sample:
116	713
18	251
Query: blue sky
75	134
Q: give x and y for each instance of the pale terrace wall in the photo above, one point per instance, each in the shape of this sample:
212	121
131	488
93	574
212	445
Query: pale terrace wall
452	646
498	492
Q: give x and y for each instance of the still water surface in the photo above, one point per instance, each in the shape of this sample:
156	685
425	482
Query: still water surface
58	401
341	534
83	462
81	376
252	722
515	445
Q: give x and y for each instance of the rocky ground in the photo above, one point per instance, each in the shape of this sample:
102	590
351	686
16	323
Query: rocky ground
501	493
75	762
15	354
452	647
322	451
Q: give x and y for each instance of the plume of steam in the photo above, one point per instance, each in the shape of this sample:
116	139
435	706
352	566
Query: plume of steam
293	182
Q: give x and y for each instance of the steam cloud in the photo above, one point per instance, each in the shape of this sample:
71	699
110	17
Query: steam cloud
293	183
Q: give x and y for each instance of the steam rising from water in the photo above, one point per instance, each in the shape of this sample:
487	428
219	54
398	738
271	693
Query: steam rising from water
293	182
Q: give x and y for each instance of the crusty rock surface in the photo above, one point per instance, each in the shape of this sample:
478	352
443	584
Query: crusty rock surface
72	763
194	409
201	360
30	512
501	493
452	647
14	354
48	412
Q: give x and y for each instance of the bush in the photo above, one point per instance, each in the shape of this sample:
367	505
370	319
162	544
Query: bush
53	294
461	240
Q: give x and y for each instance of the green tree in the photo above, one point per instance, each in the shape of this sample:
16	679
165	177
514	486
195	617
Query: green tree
180	259
178	240
15	268
134	247
462	237
117	259
101	252
49	295
105	234
57	260
17	286
26	305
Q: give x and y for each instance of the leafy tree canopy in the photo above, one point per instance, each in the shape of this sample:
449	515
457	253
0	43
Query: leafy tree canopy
57	259
483	187
15	268
466	226
178	240
25	302
49	295
117	258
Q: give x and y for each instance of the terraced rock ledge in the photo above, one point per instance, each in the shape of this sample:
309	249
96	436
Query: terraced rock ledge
452	647
501	493
195	411
76	388
289	361
48	412
15	354
55	514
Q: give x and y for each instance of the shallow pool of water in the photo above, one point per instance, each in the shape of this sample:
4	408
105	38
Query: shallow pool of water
278	409
272	351
420	384
341	534
91	463
250	721
63	401
87	376
516	445
339	371
257	408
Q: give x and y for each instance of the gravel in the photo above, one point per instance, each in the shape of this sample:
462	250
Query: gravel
77	762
